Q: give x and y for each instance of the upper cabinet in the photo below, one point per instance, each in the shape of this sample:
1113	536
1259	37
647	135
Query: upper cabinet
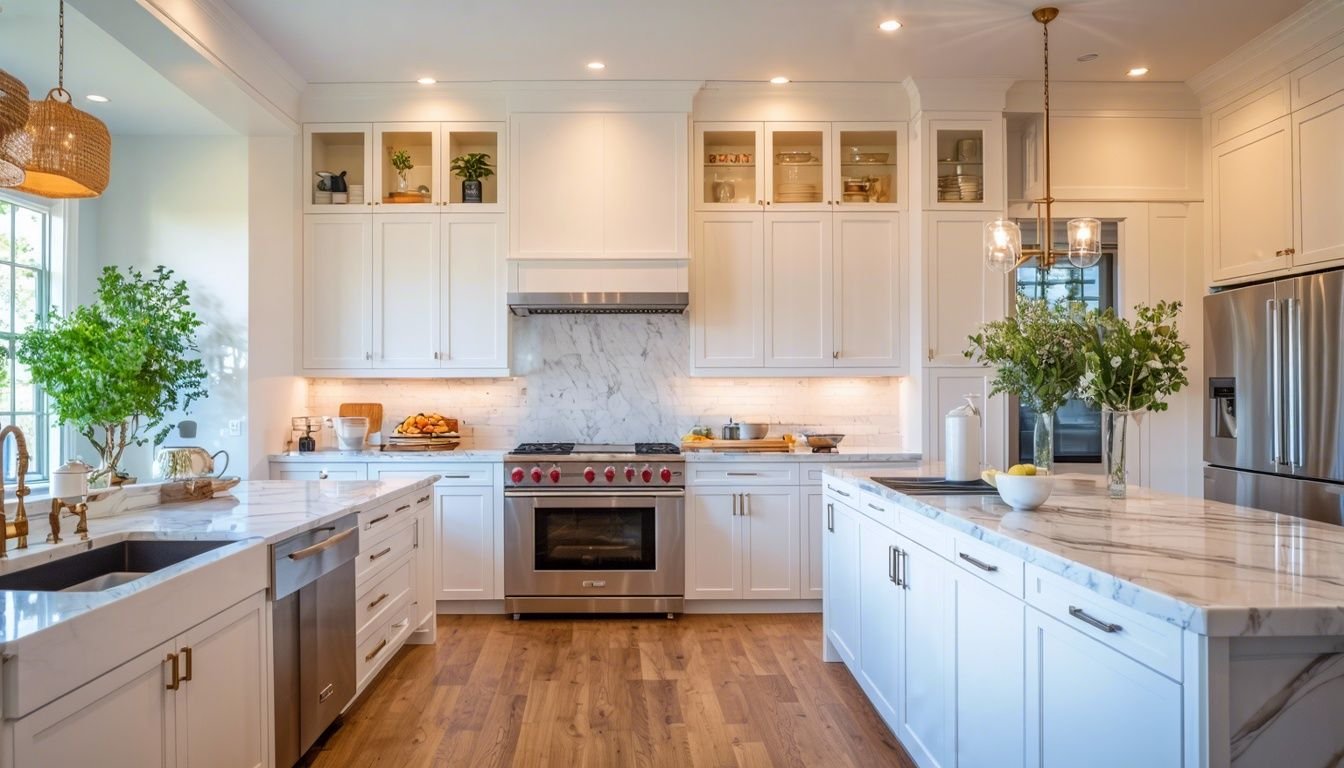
729	173
798	156
406	166
869	172
964	163
598	185
1253	212
340	150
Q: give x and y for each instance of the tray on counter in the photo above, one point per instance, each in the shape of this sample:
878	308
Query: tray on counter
421	443
767	445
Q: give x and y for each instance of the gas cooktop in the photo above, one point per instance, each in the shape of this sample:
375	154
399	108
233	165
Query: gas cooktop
577	449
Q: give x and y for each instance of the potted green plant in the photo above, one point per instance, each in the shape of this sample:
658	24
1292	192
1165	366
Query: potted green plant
117	368
1037	354
401	163
472	168
1131	366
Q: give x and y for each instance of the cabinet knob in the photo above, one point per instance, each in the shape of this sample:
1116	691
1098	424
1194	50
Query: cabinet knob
930	354
370	203
760	202
767	202
835	355
1289	251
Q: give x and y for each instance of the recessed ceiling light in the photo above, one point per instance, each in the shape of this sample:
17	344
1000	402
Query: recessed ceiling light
890	25
1138	72
1089	57
97	98
596	65
779	80
426	81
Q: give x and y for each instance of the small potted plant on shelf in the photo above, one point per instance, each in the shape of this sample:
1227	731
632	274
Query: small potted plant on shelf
401	163
117	368
472	167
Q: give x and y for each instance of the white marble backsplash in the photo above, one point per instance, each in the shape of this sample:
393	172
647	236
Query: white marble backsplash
621	378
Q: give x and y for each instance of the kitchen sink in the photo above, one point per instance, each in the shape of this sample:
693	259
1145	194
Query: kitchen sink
936	486
106	567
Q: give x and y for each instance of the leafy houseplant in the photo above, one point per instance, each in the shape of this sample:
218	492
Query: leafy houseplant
1131	367
401	162
472	167
117	368
1038	356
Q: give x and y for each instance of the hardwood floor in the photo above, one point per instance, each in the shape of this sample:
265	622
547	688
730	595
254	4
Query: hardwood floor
698	691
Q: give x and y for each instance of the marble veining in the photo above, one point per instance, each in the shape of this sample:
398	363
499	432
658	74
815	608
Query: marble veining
1213	568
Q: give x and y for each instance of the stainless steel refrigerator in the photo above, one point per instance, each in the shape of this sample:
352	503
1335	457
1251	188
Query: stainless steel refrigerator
1274	364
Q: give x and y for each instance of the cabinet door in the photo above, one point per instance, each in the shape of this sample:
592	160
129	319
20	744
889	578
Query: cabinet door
644	186
796	169
405	302
331	148
425	537
338	291
869	171
1253	201
961	293
727	305
880	623
224	713
813	516
990	683
729	167
713	544
1087	702
289	471
466	556
556	198
840	608
398	191
869	295
965	165
769	522
460	139
473	316
927	700
798	295
1318	196
946	389
124	719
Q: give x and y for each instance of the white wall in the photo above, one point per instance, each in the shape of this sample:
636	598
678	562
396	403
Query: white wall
183	203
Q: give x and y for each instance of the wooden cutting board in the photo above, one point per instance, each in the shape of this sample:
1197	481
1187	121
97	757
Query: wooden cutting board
767	445
373	411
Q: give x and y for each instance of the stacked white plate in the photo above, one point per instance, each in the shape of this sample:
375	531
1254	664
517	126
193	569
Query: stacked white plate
797	192
948	189
321	197
971	187
356	194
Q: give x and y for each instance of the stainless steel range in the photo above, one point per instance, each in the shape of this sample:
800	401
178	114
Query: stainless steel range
594	528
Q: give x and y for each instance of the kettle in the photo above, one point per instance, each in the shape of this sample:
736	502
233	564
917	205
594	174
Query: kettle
186	462
961	442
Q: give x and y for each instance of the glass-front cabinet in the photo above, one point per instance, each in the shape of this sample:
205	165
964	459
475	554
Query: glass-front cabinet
481	142
869	170
337	167
406	165
964	164
798	156
729	174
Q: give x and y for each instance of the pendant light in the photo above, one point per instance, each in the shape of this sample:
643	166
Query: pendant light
72	151
16	148
1003	237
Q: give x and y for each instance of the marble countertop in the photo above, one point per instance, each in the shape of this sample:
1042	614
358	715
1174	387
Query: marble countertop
372	454
1213	568
840	456
843	455
255	515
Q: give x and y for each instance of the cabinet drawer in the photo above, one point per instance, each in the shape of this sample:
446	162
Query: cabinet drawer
332	471
990	563
933	536
1144	638
744	473
841	490
377	520
377	555
451	474
375	603
877	508
382	643
813	473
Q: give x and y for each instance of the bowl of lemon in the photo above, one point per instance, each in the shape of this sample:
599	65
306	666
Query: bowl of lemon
1021	486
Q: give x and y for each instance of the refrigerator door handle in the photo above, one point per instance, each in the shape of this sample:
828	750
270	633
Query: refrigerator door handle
1293	366
1275	381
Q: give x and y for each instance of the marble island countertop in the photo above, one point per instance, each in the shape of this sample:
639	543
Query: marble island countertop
842	455
1213	568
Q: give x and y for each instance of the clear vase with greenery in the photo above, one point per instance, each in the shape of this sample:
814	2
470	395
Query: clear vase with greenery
116	369
401	163
472	168
1132	366
1037	356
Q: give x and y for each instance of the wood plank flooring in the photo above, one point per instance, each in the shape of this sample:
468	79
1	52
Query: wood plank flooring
698	691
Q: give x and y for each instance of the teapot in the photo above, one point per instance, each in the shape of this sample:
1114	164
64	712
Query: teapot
188	461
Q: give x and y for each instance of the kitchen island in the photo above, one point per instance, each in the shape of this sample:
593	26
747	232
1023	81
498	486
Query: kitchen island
1156	630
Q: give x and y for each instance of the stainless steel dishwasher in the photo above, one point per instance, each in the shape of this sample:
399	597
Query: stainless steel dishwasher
313	583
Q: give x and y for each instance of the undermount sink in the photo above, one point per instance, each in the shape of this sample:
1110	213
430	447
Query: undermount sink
106	567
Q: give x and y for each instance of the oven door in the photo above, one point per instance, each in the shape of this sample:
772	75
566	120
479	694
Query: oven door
594	545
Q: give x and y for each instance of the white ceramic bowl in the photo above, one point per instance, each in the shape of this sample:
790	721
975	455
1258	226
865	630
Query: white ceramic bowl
1024	492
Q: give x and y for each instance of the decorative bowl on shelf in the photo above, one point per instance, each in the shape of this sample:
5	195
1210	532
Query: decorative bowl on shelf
869	158
1024	492
793	158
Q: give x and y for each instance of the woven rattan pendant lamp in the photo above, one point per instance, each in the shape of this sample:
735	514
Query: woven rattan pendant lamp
72	151
16	148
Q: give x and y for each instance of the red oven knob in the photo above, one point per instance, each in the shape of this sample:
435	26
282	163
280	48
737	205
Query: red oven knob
665	474
516	475
629	474
610	474
589	475
536	474
646	474
555	474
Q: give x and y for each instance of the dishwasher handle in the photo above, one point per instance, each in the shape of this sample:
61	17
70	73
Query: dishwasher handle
317	549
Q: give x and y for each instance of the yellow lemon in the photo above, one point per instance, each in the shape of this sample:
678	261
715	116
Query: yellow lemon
1022	469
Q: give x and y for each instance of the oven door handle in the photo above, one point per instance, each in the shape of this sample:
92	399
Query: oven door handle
593	499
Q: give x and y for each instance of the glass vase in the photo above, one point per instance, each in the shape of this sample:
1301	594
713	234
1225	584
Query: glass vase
402	184
1043	442
1114	431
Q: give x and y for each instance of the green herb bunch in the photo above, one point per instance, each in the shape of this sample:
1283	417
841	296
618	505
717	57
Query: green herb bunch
1037	352
1134	365
401	161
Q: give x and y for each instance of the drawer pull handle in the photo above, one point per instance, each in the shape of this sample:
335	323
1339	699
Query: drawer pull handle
455	477
981	564
743	474
875	508
326	693
318	549
422	499
186	654
830	518
177	673
375	603
595	583
891	565
1081	615
837	490
379	554
402	508
376	521
381	645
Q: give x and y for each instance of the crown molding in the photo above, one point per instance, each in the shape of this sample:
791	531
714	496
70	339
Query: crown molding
957	94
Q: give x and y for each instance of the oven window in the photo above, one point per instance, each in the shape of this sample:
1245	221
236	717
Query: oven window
595	539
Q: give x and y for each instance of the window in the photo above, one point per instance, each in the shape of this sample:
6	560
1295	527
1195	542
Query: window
26	238
1077	425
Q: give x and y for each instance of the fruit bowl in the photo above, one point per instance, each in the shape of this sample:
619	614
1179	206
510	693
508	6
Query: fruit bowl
1024	492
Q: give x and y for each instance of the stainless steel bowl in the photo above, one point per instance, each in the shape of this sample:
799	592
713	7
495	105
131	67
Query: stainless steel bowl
823	442
754	430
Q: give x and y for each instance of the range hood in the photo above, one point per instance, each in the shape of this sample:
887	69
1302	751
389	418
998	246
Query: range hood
597	287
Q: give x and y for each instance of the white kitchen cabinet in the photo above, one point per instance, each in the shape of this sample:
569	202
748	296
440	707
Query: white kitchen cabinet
742	543
727	306
841	606
990	674
1252	212
729	166
945	389
798	290
333	148
813	518
961	294
713	541
426	537
405	303
927	634
1318	194
873	154
460	139
1088	704
466	565
869	297
797	167
421	142
306	471
643	186
883	605
337	291
471	311
224	702
964	148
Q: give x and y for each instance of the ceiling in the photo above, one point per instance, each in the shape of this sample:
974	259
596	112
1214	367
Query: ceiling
346	41
142	102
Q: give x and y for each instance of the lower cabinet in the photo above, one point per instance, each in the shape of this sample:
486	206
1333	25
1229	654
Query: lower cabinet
199	700
466	566
742	543
881	619
840	607
927	703
989	664
812	514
